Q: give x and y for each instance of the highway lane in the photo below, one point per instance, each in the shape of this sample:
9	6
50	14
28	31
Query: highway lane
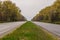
6	28
53	28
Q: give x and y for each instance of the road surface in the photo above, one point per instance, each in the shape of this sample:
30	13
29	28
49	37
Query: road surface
53	28
5	28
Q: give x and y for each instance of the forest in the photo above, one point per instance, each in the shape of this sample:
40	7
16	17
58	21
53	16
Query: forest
49	14
9	12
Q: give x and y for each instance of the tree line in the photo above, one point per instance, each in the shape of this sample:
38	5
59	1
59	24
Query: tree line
10	12
49	14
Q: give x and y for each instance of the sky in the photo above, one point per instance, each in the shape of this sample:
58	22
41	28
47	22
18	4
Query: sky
29	8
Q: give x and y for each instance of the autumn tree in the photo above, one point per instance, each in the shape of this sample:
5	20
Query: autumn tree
50	13
10	12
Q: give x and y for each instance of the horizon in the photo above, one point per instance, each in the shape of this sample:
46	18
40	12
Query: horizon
29	8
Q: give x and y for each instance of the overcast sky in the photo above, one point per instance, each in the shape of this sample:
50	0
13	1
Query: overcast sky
29	8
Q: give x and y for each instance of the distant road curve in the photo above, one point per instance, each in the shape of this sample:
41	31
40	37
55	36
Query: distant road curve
5	28
53	28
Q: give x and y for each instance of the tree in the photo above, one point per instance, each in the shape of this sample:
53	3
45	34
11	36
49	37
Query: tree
10	12
50	13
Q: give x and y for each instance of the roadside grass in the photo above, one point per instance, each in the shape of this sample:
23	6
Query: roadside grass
28	31
58	22
46	21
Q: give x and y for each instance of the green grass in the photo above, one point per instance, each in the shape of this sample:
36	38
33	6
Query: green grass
46	21
58	22
28	31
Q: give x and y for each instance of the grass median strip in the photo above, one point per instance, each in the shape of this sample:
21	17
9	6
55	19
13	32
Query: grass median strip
28	31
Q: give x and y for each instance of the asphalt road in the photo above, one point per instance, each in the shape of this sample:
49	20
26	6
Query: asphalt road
5	28
53	28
